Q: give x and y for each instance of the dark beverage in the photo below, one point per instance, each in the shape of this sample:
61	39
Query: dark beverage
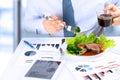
105	20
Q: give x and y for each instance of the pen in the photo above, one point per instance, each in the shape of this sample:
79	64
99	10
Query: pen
29	44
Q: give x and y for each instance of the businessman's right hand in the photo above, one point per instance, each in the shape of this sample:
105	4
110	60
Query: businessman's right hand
54	25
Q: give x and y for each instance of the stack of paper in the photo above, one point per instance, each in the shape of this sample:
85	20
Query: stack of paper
108	69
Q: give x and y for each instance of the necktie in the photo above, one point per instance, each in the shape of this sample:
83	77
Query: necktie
68	16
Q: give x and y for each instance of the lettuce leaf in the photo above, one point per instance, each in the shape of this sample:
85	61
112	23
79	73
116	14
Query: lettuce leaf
84	39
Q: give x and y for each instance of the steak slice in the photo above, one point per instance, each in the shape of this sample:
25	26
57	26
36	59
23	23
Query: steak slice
94	47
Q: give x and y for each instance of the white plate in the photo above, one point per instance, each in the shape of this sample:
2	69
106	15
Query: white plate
116	50
73	57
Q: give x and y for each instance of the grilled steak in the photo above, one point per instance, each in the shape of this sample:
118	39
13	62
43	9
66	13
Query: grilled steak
94	47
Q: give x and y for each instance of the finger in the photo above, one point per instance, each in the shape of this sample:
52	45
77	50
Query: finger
52	30
59	27
56	26
54	17
115	14
116	21
48	25
61	24
111	7
57	21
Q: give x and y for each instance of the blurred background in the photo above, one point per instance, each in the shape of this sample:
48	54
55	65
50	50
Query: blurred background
10	24
11	31
11	12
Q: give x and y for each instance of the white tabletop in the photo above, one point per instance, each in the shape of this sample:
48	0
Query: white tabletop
18	64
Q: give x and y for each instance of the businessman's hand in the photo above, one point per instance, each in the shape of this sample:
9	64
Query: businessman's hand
54	25
115	12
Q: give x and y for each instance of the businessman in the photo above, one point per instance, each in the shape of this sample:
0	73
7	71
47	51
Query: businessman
83	11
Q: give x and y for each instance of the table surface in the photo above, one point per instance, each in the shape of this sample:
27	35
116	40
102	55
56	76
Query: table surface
18	63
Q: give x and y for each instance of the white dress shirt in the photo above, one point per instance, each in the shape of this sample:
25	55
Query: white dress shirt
84	10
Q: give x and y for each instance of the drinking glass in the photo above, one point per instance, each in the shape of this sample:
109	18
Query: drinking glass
104	18
105	21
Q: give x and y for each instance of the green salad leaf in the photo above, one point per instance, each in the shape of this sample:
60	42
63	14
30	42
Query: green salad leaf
72	42
106	42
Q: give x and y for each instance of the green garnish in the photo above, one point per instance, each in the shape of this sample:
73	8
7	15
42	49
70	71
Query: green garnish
72	42
76	29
